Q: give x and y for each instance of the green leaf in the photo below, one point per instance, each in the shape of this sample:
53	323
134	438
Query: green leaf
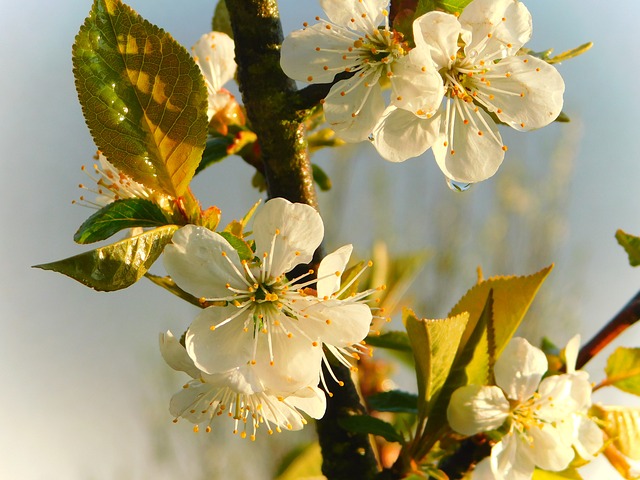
321	178
168	284
306	463
435	345
221	21
371	425
115	266
631	245
118	215
394	401
214	151
394	340
451	6
239	245
142	95
623	370
622	425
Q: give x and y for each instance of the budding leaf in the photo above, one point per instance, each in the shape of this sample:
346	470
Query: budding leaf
142	95
631	245
239	245
118	215
115	266
451	6
370	425
623	370
394	401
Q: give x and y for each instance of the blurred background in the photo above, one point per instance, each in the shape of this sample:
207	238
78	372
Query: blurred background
84	390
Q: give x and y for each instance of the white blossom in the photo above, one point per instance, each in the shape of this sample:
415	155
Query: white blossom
214	53
239	394
483	75
544	420
357	41
272	323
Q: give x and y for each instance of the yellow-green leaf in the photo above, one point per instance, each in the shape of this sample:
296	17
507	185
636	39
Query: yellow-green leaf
622	426
623	370
569	474
631	245
512	297
142	95
435	345
306	465
115	266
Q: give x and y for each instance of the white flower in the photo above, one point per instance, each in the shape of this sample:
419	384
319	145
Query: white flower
272	323
476	54
542	418
353	42
238	393
214	53
111	185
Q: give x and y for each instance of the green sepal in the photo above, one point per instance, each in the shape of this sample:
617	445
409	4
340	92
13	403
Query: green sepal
239	245
143	97
631	245
119	215
623	370
395	401
370	425
115	266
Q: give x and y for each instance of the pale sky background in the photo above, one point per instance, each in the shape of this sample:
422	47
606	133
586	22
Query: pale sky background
79	370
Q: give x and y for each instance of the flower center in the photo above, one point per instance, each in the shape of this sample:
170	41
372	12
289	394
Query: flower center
381	47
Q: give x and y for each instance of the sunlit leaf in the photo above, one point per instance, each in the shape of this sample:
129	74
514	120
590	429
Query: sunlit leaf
371	425
115	266
631	245
306	463
512	297
142	95
623	370
394	340
394	401
622	425
118	215
239	245
435	345
569	474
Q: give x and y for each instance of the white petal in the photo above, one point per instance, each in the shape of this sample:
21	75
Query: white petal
571	353
485	17
214	53
310	400
176	355
196	263
416	84
561	396
242	380
508	460
548	449
401	135
222	349
350	13
475	156
217	101
438	32
530	96
475	408
354	114
300	232
519	369
588	438
331	269
336	322
314	55
190	403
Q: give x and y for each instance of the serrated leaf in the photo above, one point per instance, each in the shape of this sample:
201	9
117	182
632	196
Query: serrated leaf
631	245
568	474
435	345
622	425
370	425
394	340
215	150
623	370
221	21
512	297
142	95
119	215
115	266
394	401
239	245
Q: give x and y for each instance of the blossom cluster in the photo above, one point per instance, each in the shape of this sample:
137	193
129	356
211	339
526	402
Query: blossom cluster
544	422
450	87
255	353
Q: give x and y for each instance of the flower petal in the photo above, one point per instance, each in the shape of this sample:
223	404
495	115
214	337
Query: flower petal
561	396
416	84
354	106
310	400
195	260
214	53
476	408
176	355
363	15
401	135
315	54
548	449
519	369
193	402
331	269
508	461
299	233
527	91
437	33
336	322
467	152
588	438
571	353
